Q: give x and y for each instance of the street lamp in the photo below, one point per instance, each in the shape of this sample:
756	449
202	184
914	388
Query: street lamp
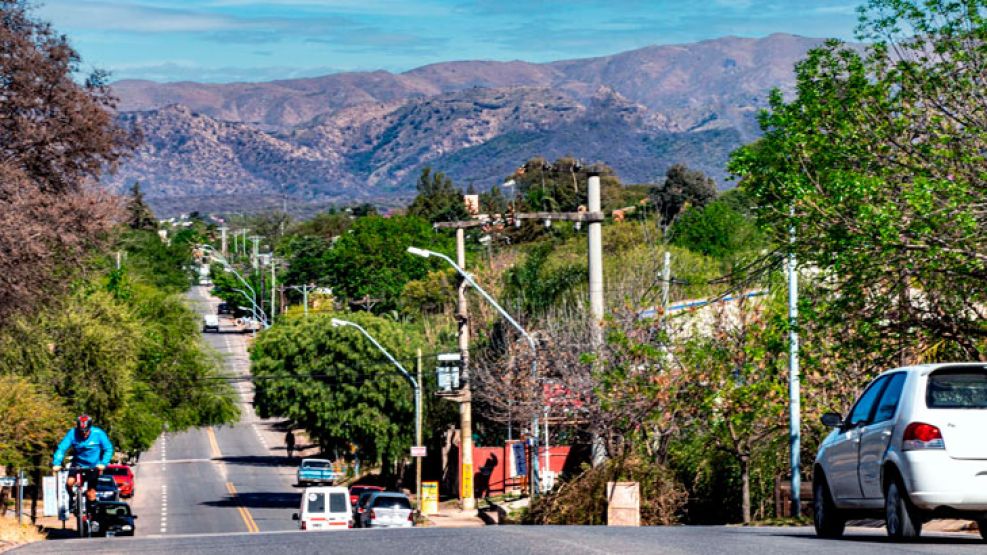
336	323
425	253
228	266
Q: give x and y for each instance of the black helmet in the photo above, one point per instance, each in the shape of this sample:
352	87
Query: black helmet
84	423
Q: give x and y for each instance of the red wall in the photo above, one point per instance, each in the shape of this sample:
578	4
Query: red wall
488	455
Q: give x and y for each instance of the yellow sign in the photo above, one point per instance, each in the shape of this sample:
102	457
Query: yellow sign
430	498
466	484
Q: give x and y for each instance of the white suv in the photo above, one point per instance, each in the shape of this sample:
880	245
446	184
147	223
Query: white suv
913	448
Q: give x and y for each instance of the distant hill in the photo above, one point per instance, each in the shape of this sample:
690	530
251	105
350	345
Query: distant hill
366	136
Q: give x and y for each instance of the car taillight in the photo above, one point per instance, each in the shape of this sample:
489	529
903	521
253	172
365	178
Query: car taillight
350	523
373	515
411	517
303	525
919	435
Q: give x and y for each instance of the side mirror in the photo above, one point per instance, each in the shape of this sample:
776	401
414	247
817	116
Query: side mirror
832	420
294	516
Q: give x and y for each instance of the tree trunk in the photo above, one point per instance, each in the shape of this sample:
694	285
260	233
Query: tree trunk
745	491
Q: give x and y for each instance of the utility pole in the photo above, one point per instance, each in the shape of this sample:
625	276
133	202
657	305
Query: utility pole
256	253
466	495
794	393
666	277
274	282
595	260
222	241
594	217
418	441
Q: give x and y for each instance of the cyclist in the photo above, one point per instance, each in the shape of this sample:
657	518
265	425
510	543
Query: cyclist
92	449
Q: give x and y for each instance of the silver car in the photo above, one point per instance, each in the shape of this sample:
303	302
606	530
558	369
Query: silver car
910	450
387	509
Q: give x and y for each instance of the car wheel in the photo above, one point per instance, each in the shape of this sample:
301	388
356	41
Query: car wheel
829	520
903	521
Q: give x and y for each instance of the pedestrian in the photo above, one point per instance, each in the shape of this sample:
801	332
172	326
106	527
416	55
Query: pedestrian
289	442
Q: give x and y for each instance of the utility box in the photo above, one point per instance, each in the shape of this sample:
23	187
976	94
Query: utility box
447	373
623	504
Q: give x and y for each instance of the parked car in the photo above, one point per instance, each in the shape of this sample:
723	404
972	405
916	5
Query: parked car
123	475
112	518
325	508
210	322
387	509
106	489
911	449
357	491
316	471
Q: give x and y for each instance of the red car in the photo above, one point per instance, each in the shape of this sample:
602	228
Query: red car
123	475
355	492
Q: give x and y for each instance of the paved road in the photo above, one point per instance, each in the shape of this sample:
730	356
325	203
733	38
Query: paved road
217	480
541	540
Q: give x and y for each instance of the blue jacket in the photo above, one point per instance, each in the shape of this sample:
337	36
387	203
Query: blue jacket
93	451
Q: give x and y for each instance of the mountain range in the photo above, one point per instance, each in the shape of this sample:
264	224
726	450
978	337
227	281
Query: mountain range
365	136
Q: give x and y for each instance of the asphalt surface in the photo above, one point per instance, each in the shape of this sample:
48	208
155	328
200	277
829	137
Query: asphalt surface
231	490
542	540
226	479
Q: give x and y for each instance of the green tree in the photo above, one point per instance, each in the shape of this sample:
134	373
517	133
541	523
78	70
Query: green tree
372	258
139	214
337	385
682	187
33	421
438	200
561	186
716	230
877	164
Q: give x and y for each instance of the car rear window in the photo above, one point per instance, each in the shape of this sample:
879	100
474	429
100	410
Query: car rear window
317	464
392	503
115	471
337	502
957	389
316	503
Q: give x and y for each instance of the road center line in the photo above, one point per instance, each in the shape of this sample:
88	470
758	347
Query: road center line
213	443
244	513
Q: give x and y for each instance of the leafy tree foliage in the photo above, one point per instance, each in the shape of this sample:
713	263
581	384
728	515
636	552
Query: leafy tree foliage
56	137
682	186
561	186
878	164
372	258
139	214
716	230
438	199
336	384
33	421
494	201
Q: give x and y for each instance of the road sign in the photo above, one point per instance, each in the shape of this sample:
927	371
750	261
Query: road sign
8	481
466	483
449	357
418	451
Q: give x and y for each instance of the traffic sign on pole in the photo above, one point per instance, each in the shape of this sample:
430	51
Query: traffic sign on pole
418	451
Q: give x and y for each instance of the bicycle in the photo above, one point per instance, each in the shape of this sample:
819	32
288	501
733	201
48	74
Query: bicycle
84	481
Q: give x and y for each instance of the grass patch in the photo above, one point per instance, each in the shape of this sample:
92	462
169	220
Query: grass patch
13	533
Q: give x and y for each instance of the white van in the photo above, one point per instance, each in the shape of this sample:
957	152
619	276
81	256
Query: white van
325	508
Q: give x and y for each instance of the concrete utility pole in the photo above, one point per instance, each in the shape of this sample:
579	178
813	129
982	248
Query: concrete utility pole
466	406
466	495
418	441
274	282
666	278
256	253
595	259
794	388
222	242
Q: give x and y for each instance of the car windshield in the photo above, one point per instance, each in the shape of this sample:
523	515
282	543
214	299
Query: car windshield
113	510
106	481
388	502
957	389
109	471
317	464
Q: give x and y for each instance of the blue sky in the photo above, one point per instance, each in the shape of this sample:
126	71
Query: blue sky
256	40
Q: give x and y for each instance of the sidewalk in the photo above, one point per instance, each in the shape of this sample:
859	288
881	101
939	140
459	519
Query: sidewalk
451	516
